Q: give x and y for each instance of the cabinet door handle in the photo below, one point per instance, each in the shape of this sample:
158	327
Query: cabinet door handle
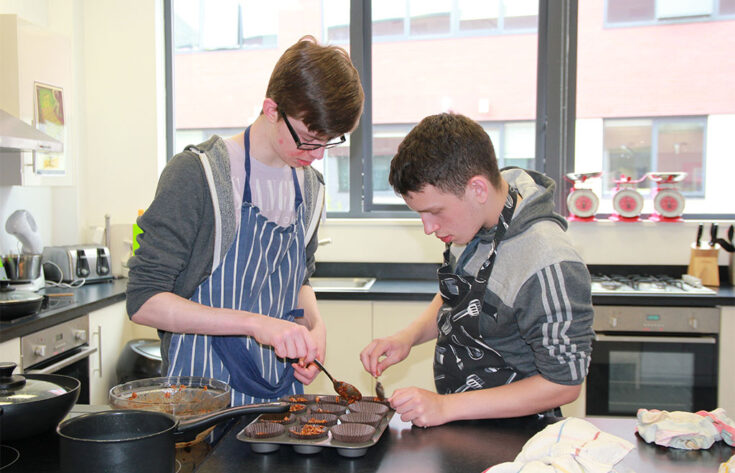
99	349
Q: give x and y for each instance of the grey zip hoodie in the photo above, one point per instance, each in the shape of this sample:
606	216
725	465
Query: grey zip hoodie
184	232
539	285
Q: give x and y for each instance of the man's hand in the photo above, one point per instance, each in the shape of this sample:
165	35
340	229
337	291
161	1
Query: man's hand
395	349
421	407
288	339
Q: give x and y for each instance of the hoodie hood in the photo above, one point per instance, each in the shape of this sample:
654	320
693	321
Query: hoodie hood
537	191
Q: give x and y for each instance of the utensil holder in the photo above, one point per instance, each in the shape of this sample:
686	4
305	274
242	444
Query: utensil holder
703	264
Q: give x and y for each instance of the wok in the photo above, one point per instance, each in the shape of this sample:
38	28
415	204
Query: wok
32	404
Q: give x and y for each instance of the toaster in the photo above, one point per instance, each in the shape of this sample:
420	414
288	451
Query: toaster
76	262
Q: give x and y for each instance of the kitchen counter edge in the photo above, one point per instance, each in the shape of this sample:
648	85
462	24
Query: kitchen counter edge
424	290
88	298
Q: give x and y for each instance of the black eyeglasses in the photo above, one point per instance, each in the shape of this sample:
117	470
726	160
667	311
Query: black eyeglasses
311	146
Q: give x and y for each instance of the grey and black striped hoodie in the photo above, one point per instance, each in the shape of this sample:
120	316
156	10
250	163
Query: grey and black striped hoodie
540	287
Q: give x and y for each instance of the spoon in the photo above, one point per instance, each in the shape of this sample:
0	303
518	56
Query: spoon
346	391
379	390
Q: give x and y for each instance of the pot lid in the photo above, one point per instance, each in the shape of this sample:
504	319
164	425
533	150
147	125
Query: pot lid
17	389
9	295
150	349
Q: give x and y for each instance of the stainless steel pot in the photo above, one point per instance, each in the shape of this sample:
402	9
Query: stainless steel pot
25	267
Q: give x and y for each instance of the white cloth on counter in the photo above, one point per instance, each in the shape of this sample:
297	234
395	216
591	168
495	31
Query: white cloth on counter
728	467
572	445
678	429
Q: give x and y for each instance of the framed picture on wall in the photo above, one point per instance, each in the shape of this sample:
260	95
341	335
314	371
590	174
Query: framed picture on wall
49	117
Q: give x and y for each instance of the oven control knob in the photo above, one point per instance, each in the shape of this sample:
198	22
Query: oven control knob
613	321
693	323
80	335
39	350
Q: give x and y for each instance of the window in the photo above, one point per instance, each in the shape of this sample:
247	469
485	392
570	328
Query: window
221	92
634	147
648	100
228	24
463	74
417	19
653	11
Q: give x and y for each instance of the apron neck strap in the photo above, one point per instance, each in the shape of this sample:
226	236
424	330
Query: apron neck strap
503	223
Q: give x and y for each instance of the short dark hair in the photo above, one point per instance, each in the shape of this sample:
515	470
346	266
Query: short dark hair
318	85
446	151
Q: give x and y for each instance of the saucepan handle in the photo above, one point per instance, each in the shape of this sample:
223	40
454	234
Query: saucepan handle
197	424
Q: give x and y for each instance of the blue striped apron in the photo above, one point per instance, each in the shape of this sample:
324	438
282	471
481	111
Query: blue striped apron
262	272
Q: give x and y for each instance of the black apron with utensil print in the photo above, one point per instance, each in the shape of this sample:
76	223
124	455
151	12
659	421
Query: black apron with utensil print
462	361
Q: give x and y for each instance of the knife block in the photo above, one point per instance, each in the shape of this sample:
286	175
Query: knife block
703	264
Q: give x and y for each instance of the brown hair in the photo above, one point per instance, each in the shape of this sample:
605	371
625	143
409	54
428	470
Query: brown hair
446	151
318	85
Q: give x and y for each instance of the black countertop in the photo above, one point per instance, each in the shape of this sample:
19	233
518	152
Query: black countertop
470	446
85	299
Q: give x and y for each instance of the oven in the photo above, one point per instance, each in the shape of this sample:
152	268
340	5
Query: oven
60	349
654	358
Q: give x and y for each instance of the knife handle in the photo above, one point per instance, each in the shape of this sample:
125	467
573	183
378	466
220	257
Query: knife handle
700	231
712	234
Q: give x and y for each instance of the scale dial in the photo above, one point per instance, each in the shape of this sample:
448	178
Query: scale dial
669	203
628	203
583	203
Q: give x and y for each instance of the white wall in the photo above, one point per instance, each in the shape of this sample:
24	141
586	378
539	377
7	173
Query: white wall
114	115
118	133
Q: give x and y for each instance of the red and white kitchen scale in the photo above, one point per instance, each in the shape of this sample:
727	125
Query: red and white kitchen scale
582	201
667	200
627	201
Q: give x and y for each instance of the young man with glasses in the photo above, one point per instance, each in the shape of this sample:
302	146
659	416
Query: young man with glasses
228	242
513	316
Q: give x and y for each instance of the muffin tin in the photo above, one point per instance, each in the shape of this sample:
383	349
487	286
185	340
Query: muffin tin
370	435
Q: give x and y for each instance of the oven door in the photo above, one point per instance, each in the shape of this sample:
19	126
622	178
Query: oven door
673	373
74	363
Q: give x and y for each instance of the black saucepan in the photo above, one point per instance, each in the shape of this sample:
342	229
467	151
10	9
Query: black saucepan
33	403
136	441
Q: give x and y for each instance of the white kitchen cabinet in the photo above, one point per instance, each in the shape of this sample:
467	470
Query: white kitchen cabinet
725	386
578	407
10	351
348	332
110	330
418	368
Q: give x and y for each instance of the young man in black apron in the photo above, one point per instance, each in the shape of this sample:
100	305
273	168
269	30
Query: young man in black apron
513	316
228	242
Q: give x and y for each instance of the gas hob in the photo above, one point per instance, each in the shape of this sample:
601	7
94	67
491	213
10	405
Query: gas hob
604	284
